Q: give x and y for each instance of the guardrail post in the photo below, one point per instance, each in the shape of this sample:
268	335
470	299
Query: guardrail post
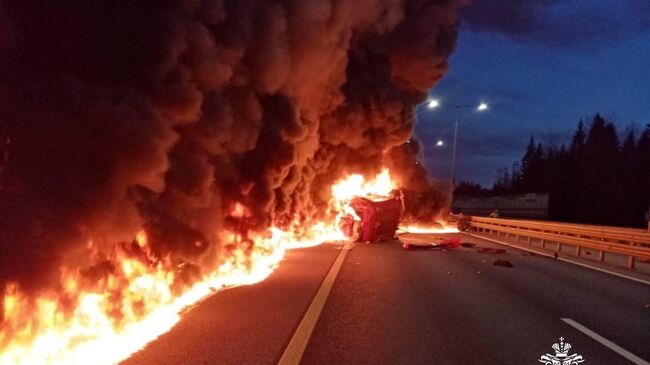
558	248
528	241
601	255
578	251
630	262
543	243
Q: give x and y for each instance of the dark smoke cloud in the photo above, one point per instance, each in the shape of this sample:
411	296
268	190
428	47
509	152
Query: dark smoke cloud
560	22
165	114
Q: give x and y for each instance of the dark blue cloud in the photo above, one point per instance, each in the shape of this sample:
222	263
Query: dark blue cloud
560	22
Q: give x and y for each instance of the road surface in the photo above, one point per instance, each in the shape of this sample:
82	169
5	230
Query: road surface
393	306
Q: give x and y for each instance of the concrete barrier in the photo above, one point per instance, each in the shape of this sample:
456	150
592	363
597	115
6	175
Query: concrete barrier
532	206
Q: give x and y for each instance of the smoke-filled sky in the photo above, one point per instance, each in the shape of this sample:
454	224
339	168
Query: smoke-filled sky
542	65
166	115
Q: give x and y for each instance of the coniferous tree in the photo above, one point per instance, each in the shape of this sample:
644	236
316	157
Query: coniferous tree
643	167
560	186
470	189
527	162
602	187
578	140
576	205
596	179
532	167
630	206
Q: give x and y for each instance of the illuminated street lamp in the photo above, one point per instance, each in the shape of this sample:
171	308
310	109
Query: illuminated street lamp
433	103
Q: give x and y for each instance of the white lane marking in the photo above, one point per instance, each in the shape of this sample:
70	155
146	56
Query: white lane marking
638	280
294	351
607	343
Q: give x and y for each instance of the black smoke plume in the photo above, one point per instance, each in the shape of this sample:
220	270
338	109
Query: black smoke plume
117	115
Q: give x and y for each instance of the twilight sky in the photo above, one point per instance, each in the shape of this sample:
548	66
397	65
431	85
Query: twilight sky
541	65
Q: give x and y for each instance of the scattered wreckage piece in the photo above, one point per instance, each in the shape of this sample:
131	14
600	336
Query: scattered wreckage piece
489	250
445	243
503	263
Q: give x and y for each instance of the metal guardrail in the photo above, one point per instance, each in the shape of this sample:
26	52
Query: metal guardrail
630	242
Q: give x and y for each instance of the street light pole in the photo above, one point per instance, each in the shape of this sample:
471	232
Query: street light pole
453	163
434	103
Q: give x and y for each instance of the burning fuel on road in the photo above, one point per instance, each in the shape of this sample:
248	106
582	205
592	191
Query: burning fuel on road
159	151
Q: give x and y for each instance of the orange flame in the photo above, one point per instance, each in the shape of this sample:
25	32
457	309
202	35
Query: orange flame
139	297
240	211
357	186
136	303
442	228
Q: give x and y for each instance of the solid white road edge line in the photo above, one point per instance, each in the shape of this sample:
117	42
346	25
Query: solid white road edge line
294	351
607	343
638	280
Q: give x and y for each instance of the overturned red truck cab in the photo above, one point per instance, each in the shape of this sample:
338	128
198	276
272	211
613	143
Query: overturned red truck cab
373	220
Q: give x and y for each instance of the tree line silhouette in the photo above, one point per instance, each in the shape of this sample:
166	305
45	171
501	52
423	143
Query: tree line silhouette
599	178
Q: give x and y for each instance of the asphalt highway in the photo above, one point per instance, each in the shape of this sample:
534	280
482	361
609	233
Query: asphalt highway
394	306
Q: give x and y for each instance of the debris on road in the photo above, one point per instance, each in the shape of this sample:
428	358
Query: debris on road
468	244
443	245
503	263
451	242
494	251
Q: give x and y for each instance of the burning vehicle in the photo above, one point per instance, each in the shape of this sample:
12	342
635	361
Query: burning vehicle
377	219
368	210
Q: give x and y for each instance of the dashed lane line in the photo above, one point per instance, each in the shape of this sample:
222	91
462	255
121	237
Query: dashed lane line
298	343
605	342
